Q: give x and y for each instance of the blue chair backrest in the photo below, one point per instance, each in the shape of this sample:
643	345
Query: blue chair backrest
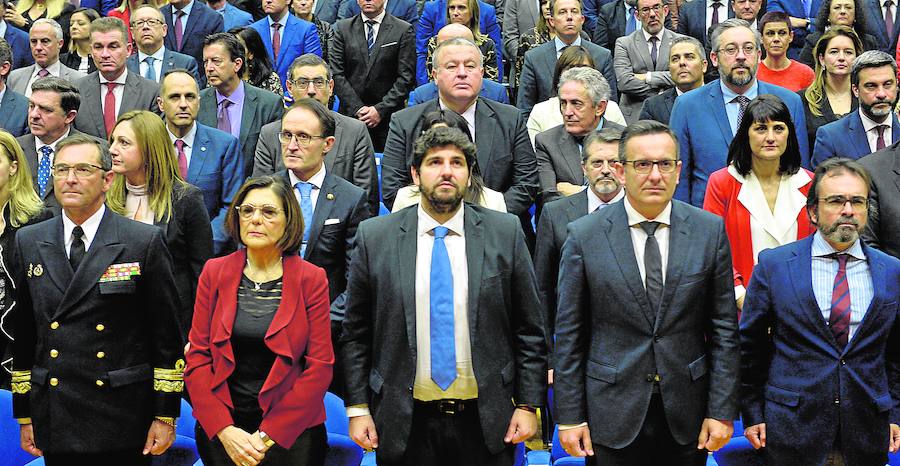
11	454
186	422
335	415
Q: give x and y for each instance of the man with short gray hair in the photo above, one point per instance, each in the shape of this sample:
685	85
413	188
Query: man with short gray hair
706	119
873	79
46	39
583	94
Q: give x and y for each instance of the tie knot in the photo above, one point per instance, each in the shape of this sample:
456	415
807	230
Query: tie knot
881	129
179	144
716	4
77	233
225	103
43	73
46	150
179	13
654	39
440	232
111	86
649	227
741	99
276	26
842	259
304	187
149	60
889	3
371	22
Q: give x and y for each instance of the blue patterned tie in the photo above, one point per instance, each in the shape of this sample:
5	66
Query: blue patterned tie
442	336
151	71
306	208
44	170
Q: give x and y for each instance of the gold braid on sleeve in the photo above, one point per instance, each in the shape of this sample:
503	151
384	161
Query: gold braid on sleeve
169	380
21	382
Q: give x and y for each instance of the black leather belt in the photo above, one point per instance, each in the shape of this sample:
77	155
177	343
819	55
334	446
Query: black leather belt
447	407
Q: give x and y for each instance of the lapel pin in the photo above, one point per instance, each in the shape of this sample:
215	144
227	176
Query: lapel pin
203	149
38	270
329	196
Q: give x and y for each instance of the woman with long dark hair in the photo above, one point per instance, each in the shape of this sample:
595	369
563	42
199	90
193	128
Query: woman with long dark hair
258	70
79	56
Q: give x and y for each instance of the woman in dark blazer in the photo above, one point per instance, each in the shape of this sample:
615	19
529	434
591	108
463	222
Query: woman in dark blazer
79	56
260	357
149	188
849	13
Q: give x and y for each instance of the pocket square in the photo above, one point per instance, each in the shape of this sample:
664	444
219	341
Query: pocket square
120	272
332	221
389	44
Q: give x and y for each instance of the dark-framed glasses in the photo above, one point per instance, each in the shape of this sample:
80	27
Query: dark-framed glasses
146	22
302	138
646	166
838	202
269	212
82	170
303	83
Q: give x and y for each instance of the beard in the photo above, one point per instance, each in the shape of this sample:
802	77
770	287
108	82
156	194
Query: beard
742	80
443	202
836	233
606	185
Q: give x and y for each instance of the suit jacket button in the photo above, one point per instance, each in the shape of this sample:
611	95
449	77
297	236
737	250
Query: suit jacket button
99	383
101	355
843	362
837	399
100	327
54	353
54	325
54	381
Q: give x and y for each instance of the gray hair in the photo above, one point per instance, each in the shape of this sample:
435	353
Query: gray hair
701	51
456	41
6	55
53	25
871	59
731	23
309	59
69	98
592	80
605	136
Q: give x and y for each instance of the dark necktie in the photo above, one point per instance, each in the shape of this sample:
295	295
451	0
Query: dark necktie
879	144
839	320
370	34
276	41
179	33
109	107
715	15
224	123
441	332
652	265
76	251
43	177
889	17
742	101
654	50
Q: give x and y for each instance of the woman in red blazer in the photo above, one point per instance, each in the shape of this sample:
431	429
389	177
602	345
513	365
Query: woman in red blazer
260	356
761	194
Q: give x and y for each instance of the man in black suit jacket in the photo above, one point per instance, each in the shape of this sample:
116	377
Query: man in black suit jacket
646	356
692	20
332	207
611	23
687	65
373	80
505	155
883	229
197	22
444	347
97	338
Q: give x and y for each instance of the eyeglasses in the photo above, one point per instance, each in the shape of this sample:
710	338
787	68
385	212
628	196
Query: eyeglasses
82	170
858	203
596	164
646	166
269	212
646	10
303	83
303	139
732	50
146	22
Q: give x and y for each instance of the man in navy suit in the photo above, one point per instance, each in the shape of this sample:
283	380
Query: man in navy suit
188	23
232	15
706	119
616	19
403	9
874	126
153	59
285	36
434	17
332	207
208	158
13	106
696	18
820	336
17	40
876	12
536	80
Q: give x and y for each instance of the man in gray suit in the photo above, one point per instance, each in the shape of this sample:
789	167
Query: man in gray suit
111	90
536	80
642	68
884	195
519	18
230	104
46	39
583	95
352	157
646	356
444	347
153	59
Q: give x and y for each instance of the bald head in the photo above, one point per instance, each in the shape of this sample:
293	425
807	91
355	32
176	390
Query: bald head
453	31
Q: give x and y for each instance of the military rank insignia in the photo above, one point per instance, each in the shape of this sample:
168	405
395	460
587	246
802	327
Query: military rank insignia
121	272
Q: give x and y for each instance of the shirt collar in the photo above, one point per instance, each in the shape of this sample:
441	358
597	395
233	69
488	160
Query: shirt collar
54	69
468	114
236	97
635	218
795	181
561	45
120	80
729	95
89	226
188	137
868	123
427	222
187	10
647	35
378	19
316	180
594	201
158	55
38	144
821	248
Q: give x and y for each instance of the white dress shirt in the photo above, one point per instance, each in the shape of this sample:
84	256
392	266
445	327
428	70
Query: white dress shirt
723	12
377	26
157	62
468	115
659	58
55	69
639	236
871	128
315	180
89	226
283	23
119	92
188	142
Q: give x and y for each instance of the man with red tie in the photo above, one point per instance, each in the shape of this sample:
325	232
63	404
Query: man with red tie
820	336
111	90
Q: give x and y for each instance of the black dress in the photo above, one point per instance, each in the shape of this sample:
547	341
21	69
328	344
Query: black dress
72	60
814	122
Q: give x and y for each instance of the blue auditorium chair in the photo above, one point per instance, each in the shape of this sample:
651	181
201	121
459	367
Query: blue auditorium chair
11	454
341	449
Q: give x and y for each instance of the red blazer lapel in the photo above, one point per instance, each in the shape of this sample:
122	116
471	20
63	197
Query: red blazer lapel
278	337
224	312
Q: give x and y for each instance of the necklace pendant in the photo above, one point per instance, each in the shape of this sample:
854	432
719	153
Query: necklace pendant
256	286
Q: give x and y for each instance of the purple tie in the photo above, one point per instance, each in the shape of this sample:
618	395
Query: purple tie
182	158
879	144
224	120
839	320
178	29
43	73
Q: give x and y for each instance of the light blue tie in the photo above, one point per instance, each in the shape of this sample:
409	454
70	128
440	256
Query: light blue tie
151	71
631	26
44	170
306	208
442	336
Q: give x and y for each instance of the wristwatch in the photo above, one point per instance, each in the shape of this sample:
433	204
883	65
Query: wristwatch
266	439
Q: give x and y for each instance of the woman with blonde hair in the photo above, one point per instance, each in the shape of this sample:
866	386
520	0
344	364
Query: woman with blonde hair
27	12
20	206
150	188
467	13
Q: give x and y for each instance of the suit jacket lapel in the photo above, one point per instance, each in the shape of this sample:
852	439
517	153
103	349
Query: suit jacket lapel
897	171
619	235
406	247
801	280
718	106
287	38
858	134
383	35
679	252
895	128
878	275
4	105
640	43
321	212
248	114
484	134
568	148
577	207
199	154
670	100
475	263
665	44
130	93
54	257
191	23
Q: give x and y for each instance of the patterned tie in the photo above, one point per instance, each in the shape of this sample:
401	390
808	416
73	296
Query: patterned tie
224	123
276	41
654	50
742	101
631	24
879	144
76	251
44	170
652	265
889	17
441	332
109	107
182	158
151	70
179	33
715	15
839	320
43	73
306	208
370	34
